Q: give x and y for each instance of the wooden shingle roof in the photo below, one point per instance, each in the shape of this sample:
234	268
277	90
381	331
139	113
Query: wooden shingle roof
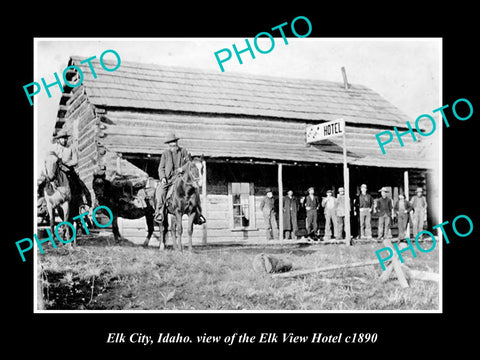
244	116
148	86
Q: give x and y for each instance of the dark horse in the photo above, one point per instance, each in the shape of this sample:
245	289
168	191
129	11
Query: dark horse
112	196
182	198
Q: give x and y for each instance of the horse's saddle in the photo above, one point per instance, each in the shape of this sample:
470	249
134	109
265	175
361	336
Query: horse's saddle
131	189
171	188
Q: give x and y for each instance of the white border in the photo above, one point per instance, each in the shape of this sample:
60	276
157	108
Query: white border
440	185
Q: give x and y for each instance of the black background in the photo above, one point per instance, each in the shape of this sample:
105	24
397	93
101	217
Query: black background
85	334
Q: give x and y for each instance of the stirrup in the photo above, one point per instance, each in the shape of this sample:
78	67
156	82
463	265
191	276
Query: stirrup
158	216
201	220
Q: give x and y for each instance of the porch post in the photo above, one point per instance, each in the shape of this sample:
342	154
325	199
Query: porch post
406	191
346	185
280	203
204	201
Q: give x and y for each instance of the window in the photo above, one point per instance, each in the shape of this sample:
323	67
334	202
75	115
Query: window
242	205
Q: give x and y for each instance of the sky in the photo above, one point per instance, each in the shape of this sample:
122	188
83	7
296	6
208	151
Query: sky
406	72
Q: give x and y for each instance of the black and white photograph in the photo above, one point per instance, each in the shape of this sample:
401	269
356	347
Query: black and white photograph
210	182
212	175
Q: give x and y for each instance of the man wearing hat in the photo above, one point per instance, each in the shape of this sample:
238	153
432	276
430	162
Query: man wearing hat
64	152
267	206
365	204
419	205
171	163
401	210
68	159
290	210
312	204
329	204
384	209
340	212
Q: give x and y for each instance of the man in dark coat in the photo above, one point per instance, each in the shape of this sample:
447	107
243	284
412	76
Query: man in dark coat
384	209
267	206
171	163
355	217
290	210
365	205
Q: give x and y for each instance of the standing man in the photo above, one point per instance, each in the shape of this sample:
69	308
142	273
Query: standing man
355	216
267	206
329	204
419	205
384	209
290	209
172	162
365	204
402	210
340	212
312	205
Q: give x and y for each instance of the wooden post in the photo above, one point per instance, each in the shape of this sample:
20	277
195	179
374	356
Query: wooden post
346	185
280	203
204	200
396	265
406	192
119	163
40	303
297	273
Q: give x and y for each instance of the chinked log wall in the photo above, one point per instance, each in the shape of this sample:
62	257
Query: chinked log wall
81	120
219	135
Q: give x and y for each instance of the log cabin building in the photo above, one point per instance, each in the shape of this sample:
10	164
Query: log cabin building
251	132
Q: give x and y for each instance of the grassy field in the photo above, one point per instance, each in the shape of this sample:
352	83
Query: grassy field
95	276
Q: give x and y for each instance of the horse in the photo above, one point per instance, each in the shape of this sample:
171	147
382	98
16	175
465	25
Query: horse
57	193
112	196
183	198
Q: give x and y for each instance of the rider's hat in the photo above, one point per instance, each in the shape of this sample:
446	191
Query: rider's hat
171	138
61	133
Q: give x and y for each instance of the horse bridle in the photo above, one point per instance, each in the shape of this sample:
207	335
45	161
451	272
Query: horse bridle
55	172
194	179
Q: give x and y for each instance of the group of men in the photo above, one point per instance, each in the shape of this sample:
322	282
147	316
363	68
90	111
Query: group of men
334	210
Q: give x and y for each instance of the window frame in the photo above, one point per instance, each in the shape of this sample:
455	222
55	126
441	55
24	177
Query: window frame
251	208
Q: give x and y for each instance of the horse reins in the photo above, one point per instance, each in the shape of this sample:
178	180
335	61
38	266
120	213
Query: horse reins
195	179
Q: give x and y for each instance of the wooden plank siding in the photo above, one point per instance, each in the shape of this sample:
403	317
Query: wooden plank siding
238	137
218	223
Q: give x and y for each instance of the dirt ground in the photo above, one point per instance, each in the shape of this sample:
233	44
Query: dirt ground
97	276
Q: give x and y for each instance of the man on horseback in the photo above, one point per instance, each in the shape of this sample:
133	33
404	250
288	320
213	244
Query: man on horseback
64	152
172	163
68	162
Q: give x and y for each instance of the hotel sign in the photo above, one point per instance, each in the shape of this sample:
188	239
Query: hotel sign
315	133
